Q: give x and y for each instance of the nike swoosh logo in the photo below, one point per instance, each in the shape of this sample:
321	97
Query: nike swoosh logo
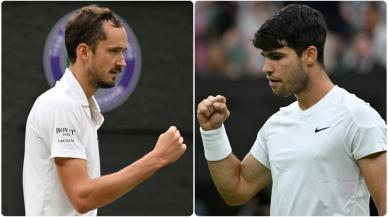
317	130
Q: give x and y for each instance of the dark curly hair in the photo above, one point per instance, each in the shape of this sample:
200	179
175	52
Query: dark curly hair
295	26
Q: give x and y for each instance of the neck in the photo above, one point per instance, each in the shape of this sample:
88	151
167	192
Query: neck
319	84
80	73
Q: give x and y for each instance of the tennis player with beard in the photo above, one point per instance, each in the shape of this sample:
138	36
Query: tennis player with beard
325	154
61	172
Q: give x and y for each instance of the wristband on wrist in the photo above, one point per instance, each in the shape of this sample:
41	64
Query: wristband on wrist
215	143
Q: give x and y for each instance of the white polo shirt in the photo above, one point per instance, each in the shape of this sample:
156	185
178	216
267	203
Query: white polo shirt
312	155
62	123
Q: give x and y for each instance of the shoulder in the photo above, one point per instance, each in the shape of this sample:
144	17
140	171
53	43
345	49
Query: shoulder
357	110
284	112
283	115
56	99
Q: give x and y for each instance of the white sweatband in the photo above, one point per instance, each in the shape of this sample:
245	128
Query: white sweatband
215	143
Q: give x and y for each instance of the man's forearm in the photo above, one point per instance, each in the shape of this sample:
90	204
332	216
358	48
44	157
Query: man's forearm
382	208
238	181
105	189
226	177
87	194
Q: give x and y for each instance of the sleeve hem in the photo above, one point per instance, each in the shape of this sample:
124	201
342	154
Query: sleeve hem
379	148
259	159
68	154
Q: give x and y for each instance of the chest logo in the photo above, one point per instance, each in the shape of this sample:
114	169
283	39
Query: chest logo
317	129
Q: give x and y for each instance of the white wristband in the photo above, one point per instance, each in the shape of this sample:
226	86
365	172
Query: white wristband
216	144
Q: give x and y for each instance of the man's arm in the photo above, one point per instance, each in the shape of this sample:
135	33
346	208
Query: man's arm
87	194
236	181
374	170
239	181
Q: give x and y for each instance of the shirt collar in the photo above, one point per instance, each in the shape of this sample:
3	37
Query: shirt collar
71	84
96	115
327	98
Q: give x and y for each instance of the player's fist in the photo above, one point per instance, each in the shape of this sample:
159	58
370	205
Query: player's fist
212	112
169	146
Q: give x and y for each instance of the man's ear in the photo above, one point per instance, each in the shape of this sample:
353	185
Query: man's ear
83	51
310	55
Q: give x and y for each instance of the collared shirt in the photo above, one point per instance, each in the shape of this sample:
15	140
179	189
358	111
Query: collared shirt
61	123
312	155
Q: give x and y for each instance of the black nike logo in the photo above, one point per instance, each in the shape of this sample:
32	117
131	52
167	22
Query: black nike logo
317	130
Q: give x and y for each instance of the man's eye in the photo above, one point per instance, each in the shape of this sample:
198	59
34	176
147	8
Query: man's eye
275	57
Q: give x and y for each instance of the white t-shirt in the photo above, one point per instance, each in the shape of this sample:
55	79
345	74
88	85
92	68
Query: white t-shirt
60	124
312	155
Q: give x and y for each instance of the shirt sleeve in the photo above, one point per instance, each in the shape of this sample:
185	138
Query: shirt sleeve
64	128
365	133
259	149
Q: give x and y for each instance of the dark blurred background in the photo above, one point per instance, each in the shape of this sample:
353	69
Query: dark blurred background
228	64
163	97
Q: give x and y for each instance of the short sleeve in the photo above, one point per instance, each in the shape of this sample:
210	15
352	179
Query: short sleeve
366	133
64	130
259	149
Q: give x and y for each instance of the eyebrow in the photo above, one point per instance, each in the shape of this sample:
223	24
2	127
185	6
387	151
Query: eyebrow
117	47
272	53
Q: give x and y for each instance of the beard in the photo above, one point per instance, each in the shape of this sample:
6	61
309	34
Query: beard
297	81
97	79
105	84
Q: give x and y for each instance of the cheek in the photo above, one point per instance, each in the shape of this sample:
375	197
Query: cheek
291	72
284	66
101	61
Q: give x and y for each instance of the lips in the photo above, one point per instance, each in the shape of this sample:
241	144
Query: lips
115	71
273	80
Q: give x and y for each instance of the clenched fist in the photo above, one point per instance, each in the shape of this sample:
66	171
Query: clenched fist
170	146
212	112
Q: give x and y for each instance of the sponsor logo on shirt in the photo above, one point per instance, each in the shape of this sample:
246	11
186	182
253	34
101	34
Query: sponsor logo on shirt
65	134
55	62
65	131
318	130
65	140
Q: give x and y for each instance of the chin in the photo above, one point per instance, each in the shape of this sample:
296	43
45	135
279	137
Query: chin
281	93
106	84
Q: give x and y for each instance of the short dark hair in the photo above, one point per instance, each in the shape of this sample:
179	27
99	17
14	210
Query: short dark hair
295	26
85	26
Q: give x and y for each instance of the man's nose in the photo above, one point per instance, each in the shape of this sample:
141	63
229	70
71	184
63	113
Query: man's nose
267	67
122	62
